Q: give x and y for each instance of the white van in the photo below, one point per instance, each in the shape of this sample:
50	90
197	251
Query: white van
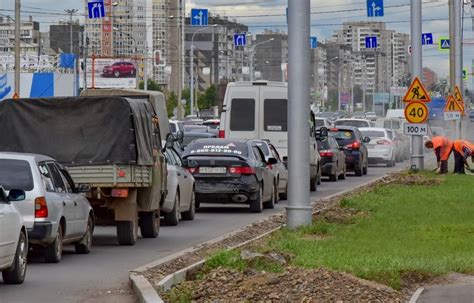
259	110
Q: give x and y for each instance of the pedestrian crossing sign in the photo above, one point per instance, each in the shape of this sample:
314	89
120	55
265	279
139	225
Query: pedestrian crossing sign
417	92
452	105
444	44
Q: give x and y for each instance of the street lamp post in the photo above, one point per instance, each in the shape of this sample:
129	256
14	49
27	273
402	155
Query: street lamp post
252	56
191	59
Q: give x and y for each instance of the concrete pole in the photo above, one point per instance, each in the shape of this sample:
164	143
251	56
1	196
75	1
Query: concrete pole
17	46
339	88
299	210
191	78
145	67
180	63
85	49
252	51
456	44
417	156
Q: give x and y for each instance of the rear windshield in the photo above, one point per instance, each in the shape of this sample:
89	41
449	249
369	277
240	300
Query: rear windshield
242	115
390	124
324	145
342	134
319	122
354	123
264	148
217	149
276	115
15	174
373	134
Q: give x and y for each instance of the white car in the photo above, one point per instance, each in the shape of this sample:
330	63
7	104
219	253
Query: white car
180	203
13	238
380	148
353	122
372	116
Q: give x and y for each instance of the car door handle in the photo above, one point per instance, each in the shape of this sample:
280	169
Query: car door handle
64	203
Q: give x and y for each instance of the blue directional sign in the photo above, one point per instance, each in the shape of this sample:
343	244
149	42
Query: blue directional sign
444	44
199	17
427	38
370	42
96	9
375	8
314	42
240	39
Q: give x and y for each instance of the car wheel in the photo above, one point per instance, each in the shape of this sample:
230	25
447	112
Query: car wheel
127	232
17	272
256	205
319	176
84	246
271	204
333	177
365	168
343	175
313	184
359	171
284	195
150	224
54	251
189	215
172	218
116	74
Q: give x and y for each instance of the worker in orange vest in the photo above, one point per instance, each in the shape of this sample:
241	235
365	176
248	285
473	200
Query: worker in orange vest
443	147
462	150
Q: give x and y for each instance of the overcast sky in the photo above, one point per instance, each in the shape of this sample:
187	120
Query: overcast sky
327	16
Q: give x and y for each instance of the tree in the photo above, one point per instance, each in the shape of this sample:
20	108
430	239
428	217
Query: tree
171	104
208	99
333	100
152	85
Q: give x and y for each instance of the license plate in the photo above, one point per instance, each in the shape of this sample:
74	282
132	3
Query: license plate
212	170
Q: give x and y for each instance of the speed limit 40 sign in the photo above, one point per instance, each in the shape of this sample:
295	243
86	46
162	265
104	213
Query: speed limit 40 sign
416	112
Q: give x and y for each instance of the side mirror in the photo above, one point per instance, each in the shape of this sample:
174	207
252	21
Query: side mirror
180	136
169	141
272	161
323	131
366	140
83	188
190	163
16	195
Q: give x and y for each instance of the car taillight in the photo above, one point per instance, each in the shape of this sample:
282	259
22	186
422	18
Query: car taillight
242	170
41	208
326	153
192	170
222	134
383	142
354	146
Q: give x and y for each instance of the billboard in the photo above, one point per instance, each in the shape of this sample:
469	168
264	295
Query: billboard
110	73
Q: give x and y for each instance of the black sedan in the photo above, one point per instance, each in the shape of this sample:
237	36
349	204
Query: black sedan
355	148
231	171
333	159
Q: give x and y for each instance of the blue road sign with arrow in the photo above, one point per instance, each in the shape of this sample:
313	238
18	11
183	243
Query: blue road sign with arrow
314	42
199	17
427	39
96	9
375	8
240	39
370	42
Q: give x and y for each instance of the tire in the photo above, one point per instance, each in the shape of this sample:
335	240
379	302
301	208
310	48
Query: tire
127	232
271	204
150	224
189	215
17	272
319	176
172	218
359	171
284	195
54	251
116	74
365	169
256	205
84	246
390	163
312	184
333	177
343	175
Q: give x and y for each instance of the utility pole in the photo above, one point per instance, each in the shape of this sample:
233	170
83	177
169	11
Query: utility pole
455	52
17	47
417	156
71	12
180	112
85	48
299	210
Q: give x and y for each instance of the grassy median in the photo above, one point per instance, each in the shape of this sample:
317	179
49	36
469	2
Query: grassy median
391	233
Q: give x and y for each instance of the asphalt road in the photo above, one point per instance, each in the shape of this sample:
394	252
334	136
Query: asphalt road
102	275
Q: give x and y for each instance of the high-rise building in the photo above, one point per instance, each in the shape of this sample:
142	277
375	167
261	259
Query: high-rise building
271	52
60	37
29	36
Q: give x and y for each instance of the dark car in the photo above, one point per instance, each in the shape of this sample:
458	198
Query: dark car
231	171
355	148
119	69
471	115
333	158
191	136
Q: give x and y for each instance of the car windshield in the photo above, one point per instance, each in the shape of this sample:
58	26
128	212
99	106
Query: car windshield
373	134
217	148
354	123
342	134
371	114
15	174
325	114
264	148
319	122
391	124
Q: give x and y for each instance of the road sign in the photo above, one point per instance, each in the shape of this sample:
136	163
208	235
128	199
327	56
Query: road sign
444	43
410	129
370	42
15	96
452	105
464	74
96	9
199	17
417	92
459	98
416	112
427	39
375	8
313	42
450	116
240	39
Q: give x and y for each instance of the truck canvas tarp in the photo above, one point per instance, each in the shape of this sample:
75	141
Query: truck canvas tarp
79	131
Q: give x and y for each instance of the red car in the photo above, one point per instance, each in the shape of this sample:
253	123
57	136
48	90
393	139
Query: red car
119	69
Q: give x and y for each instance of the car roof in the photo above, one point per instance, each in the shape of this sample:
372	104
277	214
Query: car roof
25	156
379	129
352	119
221	140
343	127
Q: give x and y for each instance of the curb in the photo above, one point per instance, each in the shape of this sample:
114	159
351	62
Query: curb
146	293
416	295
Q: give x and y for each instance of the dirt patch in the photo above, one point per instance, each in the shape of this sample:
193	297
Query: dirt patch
340	215
418	179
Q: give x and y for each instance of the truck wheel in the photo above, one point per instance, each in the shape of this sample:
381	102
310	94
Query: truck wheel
271	204
127	232
256	205
54	251
189	215
84	246
172	219
150	224
16	273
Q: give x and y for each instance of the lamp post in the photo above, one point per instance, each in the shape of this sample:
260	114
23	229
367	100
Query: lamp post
191	59
252	56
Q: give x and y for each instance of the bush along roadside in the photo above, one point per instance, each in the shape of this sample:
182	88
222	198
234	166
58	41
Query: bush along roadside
378	245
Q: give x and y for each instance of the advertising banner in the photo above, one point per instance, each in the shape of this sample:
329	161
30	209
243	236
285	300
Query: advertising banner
110	73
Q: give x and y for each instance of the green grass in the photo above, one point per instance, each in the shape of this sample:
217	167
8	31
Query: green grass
403	230
231	259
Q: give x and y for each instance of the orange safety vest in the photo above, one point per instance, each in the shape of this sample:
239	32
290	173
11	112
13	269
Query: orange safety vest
445	144
459	144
